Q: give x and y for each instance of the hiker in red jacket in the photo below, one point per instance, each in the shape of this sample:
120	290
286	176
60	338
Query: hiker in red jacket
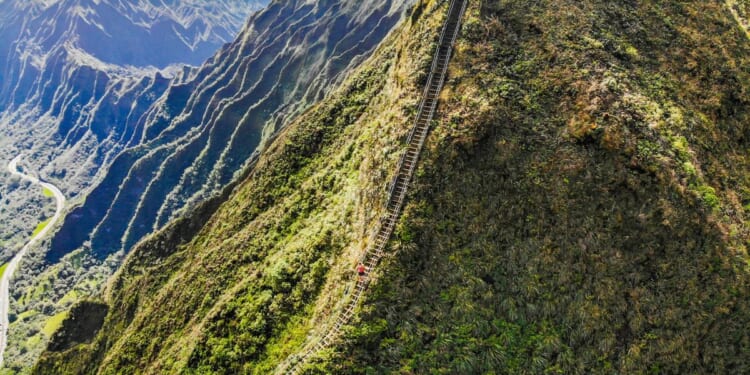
361	270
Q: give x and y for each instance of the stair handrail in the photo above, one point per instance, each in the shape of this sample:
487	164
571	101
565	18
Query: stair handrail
392	214
425	92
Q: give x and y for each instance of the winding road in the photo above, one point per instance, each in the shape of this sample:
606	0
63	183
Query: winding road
11	269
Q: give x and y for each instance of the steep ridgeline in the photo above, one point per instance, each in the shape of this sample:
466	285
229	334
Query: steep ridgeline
148	162
407	164
73	76
581	207
72	88
233	292
741	11
203	131
39	37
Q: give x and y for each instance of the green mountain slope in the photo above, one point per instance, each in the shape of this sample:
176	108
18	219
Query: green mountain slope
237	296
581	208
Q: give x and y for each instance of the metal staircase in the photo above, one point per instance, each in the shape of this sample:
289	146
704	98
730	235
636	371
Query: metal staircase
397	190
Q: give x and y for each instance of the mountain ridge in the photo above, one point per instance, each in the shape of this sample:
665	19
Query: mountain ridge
581	207
149	149
269	201
69	113
219	101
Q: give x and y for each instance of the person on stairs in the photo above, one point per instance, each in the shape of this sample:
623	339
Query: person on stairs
361	270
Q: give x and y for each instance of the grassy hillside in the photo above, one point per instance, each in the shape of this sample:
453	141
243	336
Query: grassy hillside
581	208
236	295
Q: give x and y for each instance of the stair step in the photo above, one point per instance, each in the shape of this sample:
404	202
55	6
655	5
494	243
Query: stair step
406	165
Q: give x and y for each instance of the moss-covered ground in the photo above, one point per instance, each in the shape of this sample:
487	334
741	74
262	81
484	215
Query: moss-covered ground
48	193
54	323
40	227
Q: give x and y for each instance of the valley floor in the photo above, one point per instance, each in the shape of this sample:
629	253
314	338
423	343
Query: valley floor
10	268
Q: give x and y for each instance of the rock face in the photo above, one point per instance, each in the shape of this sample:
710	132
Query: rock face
72	87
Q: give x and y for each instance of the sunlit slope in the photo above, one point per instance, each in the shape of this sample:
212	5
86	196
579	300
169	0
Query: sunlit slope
226	291
202	131
137	153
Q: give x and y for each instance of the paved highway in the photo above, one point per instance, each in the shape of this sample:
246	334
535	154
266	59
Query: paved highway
11	269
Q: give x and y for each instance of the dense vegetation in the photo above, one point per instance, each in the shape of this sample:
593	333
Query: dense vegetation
237	297
146	147
581	208
31	209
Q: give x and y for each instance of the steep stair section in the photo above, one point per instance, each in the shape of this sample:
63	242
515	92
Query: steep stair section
398	188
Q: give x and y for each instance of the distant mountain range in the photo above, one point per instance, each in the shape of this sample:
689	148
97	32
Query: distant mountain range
203	130
75	77
581	205
77	74
145	32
